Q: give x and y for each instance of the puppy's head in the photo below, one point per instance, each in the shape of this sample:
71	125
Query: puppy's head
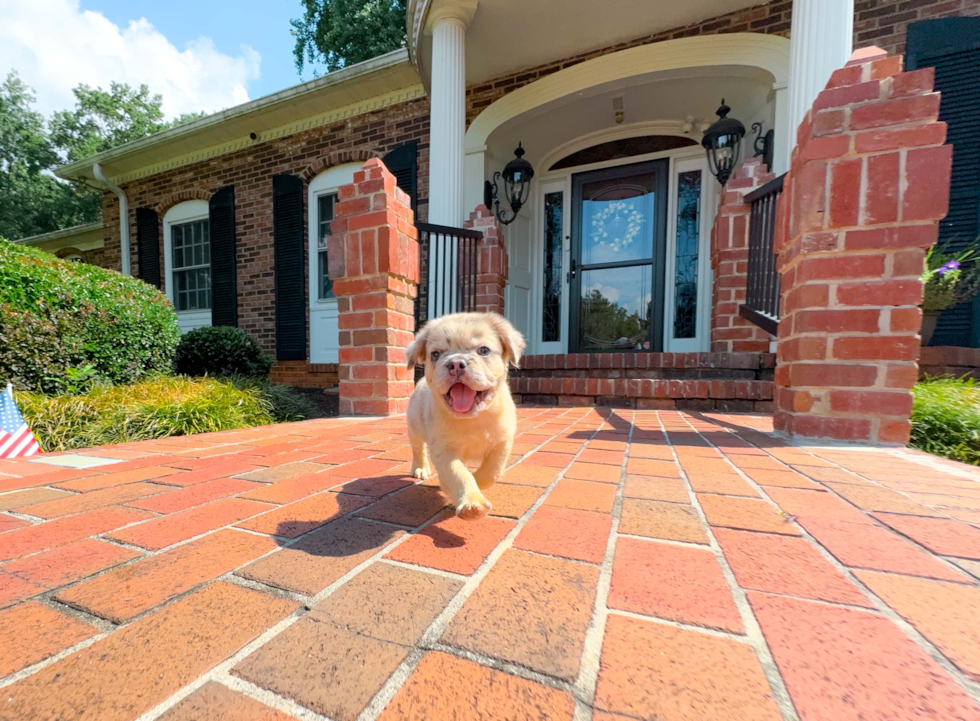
466	356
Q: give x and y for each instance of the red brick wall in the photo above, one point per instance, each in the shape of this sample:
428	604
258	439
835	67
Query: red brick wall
885	22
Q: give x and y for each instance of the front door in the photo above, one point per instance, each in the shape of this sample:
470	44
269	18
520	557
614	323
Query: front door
619	231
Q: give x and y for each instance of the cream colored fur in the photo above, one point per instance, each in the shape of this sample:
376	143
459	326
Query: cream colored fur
480	438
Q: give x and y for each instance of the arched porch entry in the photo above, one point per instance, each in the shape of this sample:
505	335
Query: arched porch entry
614	138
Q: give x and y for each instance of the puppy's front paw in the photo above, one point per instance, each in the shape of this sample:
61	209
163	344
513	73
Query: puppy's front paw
423	474
473	508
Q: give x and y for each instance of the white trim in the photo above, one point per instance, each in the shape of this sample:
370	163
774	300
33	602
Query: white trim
562	185
324	315
673	128
186	212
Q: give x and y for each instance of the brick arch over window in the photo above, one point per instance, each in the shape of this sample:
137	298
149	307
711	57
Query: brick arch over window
338	157
171	200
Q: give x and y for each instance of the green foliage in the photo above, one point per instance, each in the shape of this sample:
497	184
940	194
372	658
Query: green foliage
32	201
950	278
610	324
946	418
286	404
339	33
66	325
221	351
158	407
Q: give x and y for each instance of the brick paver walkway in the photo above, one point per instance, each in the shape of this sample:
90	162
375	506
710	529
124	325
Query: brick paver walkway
637	565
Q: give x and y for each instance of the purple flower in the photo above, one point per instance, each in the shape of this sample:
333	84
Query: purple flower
951	265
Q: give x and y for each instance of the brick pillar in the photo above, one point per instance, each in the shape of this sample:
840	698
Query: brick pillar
868	184
729	262
373	258
491	270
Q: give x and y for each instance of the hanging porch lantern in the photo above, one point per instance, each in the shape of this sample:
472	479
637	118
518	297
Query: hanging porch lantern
517	186
723	141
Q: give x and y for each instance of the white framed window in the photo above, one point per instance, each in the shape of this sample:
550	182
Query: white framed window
325	204
187	260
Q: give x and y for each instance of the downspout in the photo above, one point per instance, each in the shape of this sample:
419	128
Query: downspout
123	217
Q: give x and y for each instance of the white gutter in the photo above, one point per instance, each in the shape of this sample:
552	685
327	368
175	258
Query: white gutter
123	217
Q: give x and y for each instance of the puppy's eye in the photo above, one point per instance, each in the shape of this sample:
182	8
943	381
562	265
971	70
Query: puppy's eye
435	355
484	351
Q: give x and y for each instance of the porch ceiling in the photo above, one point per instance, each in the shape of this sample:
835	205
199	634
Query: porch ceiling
510	35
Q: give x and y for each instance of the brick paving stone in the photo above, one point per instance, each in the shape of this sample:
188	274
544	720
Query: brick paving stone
446	688
162	532
26	497
292	489
831	474
672	582
691	677
108	480
42	476
14	589
295	519
948	614
647	467
388	603
215	702
594	455
370	468
328	670
566	532
530	610
971	567
82	502
583	495
855	540
842	664
939	535
782	478
552	460
65	530
511	501
345	456
9	523
727	484
656	489
944	502
32	632
962	515
376	487
70	563
594	472
657	519
528	475
399	454
319	559
788	566
196	495
744	513
411	507
452	544
875	498
561	447
127	592
278	473
215	471
658	452
127	673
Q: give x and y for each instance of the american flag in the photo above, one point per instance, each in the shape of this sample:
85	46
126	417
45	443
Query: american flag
16	438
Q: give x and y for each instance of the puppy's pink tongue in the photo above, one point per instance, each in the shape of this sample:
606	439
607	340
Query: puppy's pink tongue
463	397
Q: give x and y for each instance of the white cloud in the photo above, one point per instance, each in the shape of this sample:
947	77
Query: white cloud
54	45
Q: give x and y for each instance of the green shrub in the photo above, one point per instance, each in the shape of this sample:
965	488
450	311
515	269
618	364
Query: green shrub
946	418
154	408
286	404
221	351
57	318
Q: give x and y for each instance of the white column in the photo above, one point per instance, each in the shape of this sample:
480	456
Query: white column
821	40
781	140
447	115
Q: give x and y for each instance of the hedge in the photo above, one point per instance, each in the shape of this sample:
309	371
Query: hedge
221	351
60	320
946	418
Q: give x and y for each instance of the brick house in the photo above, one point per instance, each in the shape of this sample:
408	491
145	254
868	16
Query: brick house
636	277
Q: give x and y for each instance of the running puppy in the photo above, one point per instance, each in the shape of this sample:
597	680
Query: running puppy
462	412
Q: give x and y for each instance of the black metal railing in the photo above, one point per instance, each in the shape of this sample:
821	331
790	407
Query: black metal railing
762	284
447	271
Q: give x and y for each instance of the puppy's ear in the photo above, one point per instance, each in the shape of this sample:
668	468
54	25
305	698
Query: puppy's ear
416	351
510	338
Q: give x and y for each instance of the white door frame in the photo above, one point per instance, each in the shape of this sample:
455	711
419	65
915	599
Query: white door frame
681	159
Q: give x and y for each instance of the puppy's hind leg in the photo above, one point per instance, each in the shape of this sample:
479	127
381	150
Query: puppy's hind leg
493	465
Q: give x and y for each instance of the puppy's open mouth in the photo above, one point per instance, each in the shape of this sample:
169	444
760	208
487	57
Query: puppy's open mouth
463	399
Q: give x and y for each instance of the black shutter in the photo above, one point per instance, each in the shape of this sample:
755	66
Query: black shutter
224	271
148	245
290	265
402	162
952	46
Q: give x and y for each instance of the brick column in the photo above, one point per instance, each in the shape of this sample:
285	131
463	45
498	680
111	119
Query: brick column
729	262
373	259
492	261
868	184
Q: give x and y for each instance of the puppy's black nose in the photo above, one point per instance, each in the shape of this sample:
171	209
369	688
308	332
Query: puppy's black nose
456	366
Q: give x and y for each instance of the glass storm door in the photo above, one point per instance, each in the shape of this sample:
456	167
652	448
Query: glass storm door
619	229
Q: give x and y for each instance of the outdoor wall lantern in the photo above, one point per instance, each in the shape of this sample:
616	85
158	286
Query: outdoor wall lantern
763	144
517	186
723	141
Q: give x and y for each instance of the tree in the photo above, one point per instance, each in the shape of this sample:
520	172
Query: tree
339	33
32	200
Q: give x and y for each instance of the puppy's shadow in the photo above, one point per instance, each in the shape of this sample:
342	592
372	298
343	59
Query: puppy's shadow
442	538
